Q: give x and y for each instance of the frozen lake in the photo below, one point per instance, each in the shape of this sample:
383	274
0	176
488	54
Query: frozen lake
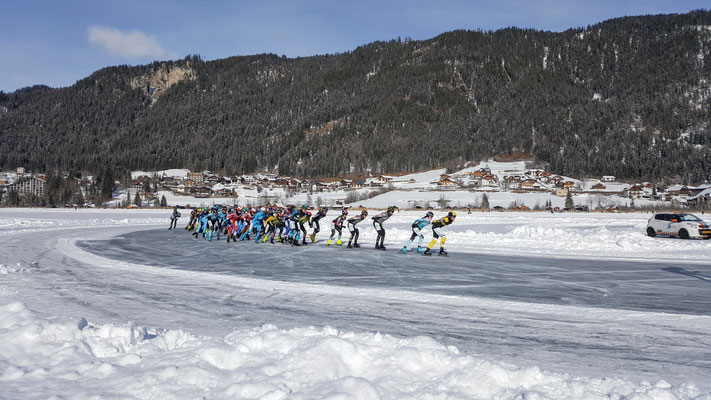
642	285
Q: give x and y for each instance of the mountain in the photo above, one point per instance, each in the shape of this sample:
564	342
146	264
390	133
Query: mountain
629	97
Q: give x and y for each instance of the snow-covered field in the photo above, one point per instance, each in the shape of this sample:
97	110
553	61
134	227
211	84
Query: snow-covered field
409	199
416	189
109	304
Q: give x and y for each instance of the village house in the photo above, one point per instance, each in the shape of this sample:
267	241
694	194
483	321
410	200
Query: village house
445	181
679	190
608	178
27	186
305	185
702	198
320	187
281	183
489	181
529	184
568	185
385	178
248	179
202	191
561	192
212	179
359	183
294	183
474	183
598	186
544	176
196	177
222	192
635	192
147	197
137	185
477	175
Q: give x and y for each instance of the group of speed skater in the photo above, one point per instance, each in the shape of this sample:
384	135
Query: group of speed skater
288	225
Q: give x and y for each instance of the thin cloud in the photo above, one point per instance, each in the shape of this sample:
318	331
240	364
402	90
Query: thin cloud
131	44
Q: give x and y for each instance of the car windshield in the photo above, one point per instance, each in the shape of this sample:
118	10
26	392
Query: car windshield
689	217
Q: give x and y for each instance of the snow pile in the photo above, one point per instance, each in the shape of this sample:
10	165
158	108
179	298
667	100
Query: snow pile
25	223
10	269
75	359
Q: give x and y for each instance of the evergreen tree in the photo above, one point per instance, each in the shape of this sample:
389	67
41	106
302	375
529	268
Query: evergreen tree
163	201
13	198
79	197
569	204
106	183
137	199
485	202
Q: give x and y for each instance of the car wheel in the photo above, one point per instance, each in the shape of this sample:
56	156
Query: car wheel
684	234
650	232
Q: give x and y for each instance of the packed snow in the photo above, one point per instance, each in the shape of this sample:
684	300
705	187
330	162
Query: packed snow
82	316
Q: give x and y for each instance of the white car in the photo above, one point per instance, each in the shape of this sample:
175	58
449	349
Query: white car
683	225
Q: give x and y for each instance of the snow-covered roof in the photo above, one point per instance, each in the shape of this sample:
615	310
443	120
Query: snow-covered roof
676	188
704	193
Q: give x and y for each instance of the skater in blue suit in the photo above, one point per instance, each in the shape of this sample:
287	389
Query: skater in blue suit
417	228
202	224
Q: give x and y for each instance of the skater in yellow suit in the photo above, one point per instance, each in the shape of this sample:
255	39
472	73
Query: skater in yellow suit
437	233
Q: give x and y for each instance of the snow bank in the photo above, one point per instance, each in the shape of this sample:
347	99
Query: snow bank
17	268
44	357
24	224
577	235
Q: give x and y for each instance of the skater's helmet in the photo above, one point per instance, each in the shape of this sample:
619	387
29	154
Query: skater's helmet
304	207
364	212
429	214
452	215
308	213
391	210
344	212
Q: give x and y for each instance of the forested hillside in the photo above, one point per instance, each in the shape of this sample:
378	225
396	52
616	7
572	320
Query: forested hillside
629	97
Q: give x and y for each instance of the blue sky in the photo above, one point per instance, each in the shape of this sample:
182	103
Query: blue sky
57	42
